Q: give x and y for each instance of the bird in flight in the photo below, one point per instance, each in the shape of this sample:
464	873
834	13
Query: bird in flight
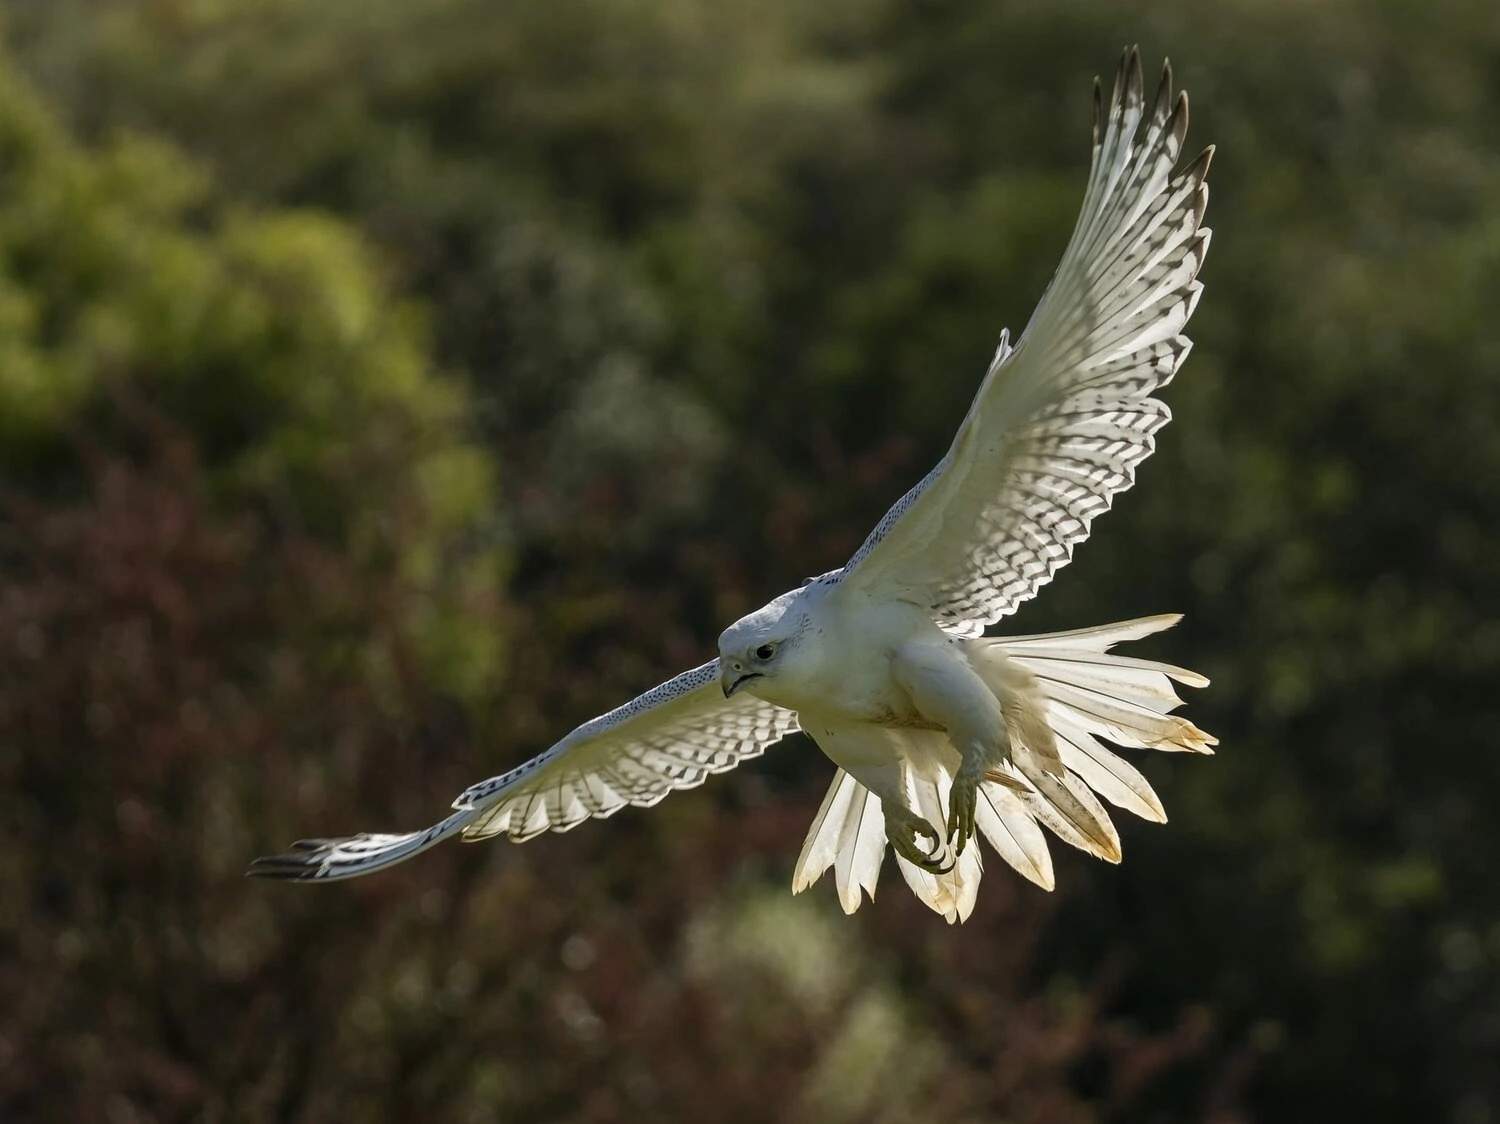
938	731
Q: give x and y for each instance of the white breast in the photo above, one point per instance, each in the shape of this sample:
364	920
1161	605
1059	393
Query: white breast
841	668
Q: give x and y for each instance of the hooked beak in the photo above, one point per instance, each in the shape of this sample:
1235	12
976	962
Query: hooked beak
731	680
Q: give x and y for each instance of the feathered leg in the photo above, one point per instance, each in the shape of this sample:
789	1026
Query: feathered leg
949	693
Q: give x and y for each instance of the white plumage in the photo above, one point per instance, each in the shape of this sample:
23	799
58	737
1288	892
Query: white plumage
939	733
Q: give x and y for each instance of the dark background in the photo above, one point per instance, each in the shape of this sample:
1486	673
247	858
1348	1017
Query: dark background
387	386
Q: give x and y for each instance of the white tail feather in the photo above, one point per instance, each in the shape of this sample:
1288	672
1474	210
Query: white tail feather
861	848
1004	821
1066	680
821	847
1107	773
848	834
1068	807
1100	638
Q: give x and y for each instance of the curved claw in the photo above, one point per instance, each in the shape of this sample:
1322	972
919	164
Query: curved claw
939	859
938	866
963	799
903	835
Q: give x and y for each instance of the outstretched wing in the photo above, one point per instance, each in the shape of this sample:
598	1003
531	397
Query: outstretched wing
1061	420
671	737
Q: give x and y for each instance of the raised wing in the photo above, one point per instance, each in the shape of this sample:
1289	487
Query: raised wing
1061	420
671	737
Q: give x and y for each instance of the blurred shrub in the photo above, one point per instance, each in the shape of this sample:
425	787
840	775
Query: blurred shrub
721	278
306	388
239	520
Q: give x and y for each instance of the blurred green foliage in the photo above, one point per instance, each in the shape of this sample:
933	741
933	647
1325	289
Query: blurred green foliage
714	283
305	385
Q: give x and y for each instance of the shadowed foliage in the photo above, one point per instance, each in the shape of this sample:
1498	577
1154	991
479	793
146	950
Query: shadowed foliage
386	387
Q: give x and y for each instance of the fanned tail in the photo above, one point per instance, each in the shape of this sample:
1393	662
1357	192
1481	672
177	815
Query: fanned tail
1085	694
1127	700
1062	688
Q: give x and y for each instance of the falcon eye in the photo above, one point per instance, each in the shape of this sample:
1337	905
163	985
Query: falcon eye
765	651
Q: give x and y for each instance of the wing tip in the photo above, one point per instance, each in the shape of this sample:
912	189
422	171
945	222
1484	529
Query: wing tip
283	868
1161	112
1098	111
1135	90
1121	68
301	862
1197	168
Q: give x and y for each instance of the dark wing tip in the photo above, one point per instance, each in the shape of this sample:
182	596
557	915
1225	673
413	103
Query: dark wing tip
283	868
315	844
1197	171
1164	93
349	857
1115	95
307	860
1179	118
1136	83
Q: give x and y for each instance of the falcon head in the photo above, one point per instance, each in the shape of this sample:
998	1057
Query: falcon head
763	646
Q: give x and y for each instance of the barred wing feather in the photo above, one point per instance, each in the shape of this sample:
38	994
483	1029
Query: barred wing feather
672	737
1062	419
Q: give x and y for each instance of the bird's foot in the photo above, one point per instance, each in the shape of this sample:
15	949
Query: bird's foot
902	830
963	798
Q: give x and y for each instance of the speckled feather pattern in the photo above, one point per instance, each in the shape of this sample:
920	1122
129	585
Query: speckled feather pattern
672	737
1063	418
